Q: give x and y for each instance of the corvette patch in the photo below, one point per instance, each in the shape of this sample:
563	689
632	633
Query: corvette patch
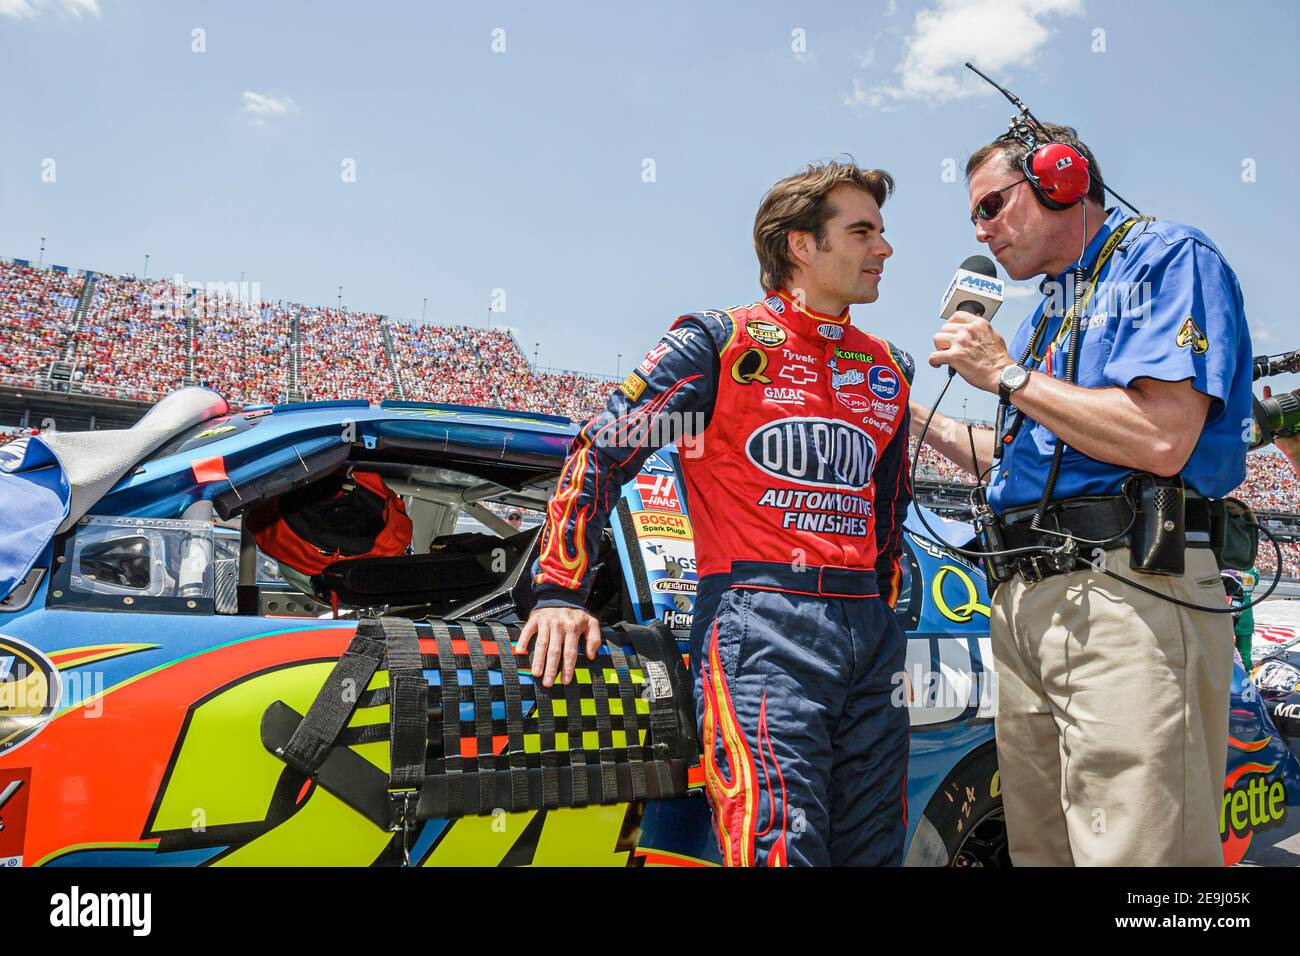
1190	334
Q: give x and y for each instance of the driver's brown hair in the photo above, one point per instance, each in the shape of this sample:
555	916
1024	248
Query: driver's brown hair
800	202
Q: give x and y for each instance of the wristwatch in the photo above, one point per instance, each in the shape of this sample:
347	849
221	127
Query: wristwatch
1011	378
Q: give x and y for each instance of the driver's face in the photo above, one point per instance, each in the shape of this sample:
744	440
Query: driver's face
848	264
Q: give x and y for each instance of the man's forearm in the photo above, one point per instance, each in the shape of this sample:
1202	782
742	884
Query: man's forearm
1120	426
951	439
1290	446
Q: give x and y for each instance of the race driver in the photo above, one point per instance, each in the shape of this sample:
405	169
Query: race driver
792	427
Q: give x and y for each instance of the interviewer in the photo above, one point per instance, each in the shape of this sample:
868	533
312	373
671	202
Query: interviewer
1112	716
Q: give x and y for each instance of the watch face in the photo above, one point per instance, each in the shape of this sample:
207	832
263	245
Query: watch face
1013	376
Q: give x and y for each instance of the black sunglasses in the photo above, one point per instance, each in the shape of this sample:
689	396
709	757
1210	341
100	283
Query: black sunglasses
991	204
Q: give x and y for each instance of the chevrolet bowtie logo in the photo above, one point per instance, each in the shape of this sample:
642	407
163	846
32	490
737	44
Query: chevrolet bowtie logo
798	374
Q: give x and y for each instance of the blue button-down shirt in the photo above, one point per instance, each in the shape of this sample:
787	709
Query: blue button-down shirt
1166	306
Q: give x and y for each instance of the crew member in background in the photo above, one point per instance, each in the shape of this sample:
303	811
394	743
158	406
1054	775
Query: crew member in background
1112	716
1240	586
797	487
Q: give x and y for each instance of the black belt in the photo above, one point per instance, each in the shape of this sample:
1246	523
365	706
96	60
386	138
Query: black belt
1095	522
827	581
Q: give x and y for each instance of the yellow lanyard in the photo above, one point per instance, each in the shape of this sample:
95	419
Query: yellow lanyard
1081	302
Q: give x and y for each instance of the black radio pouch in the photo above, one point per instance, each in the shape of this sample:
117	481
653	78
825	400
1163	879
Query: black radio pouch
1158	539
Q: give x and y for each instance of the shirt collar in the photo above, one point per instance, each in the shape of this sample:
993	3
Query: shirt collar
1114	219
787	305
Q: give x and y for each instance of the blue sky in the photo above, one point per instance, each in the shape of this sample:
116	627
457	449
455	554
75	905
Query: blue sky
524	169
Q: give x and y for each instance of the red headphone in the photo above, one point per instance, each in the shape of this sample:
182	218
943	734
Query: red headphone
1057	172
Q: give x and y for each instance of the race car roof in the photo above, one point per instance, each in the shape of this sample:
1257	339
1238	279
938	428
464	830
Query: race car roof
220	458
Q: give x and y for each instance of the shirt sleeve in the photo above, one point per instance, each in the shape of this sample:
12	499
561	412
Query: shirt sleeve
1182	321
893	482
670	394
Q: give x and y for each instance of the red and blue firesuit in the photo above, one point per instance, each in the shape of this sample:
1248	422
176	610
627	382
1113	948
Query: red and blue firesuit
791	429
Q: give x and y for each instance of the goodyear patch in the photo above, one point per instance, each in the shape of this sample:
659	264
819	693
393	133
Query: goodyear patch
660	524
29	692
1190	334
633	386
765	333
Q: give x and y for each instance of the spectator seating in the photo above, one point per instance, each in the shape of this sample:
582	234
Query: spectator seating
141	338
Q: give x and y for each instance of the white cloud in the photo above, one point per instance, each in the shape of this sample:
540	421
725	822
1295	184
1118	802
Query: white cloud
993	34
263	107
870	98
27	9
866	60
891	8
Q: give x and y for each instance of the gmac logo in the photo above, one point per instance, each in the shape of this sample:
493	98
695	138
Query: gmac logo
883	382
814	451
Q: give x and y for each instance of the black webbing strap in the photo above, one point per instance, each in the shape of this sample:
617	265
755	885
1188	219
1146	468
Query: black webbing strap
604	731
631	725
514	718
577	755
345	773
665	693
335	701
487	760
550	758
435	805
374	698
408	709
449	682
365	734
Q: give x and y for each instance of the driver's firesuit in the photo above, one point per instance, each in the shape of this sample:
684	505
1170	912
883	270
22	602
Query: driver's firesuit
794	462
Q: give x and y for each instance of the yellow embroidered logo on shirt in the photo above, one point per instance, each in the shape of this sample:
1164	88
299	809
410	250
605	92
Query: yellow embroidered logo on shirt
1190	334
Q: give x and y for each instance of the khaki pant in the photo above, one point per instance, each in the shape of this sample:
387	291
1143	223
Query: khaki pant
1112	717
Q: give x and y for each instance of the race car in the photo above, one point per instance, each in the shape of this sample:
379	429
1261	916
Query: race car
282	635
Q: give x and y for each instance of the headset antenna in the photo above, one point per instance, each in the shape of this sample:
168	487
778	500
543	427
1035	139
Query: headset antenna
1021	122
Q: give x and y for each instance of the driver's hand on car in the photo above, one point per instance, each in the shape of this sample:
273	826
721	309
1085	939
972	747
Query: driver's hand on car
558	630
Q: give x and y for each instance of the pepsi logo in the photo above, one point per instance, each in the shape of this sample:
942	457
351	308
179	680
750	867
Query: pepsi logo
883	382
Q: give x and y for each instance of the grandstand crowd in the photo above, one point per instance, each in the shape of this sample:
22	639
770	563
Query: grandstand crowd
138	339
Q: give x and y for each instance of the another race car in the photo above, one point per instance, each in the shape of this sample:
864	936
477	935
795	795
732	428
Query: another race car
275	636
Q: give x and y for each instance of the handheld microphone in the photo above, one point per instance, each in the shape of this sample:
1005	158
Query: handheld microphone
975	288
